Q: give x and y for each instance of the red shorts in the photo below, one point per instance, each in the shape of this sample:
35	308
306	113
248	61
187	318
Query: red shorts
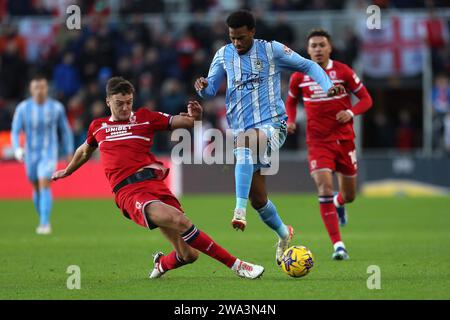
339	155
133	198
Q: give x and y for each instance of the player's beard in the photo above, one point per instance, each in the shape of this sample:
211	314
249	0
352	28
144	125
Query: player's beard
243	50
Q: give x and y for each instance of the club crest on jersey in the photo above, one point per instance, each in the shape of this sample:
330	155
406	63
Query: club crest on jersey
138	205
133	119
333	74
104	124
313	164
258	65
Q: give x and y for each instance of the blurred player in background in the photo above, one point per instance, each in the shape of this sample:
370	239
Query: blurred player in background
136	178
329	133
254	107
41	118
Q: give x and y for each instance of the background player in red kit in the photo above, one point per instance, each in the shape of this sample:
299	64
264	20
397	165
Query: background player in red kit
136	178
329	133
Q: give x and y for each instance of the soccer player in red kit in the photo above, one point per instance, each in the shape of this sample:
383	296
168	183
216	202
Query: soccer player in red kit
329	133
136	178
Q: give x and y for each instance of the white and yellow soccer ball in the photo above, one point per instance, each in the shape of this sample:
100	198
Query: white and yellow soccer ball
297	261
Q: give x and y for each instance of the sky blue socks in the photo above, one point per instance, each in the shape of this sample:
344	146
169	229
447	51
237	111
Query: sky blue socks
45	205
270	217
243	173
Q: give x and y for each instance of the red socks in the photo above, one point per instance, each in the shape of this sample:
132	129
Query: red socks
202	242
330	218
171	261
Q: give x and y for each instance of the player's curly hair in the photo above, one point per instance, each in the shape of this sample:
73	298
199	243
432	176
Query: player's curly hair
118	85
318	33
241	18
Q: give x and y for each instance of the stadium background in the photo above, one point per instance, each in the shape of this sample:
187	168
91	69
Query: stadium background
403	141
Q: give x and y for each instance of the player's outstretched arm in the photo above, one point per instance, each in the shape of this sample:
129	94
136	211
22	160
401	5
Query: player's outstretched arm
81	156
186	119
208	87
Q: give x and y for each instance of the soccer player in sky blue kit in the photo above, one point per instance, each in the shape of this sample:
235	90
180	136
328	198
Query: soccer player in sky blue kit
40	117
254	108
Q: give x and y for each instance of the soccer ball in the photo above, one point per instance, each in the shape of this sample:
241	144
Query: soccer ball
297	261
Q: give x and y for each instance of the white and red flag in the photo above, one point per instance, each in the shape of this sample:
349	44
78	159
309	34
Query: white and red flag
394	49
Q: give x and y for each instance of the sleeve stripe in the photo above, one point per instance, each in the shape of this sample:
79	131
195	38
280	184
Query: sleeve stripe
359	88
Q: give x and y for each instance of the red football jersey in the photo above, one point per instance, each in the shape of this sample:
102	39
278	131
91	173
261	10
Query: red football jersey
125	145
321	110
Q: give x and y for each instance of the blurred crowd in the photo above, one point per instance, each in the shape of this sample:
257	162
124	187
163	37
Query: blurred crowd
47	7
160	60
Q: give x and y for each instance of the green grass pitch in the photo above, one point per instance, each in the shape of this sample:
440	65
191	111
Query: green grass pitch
408	238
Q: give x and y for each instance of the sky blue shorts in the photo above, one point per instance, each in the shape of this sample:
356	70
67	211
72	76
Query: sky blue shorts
40	168
276	136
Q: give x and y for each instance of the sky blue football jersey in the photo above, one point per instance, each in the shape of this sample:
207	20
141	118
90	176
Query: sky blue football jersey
253	95
40	124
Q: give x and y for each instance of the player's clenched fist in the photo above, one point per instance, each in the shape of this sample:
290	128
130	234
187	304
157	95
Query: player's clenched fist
336	90
291	127
195	109
344	116
200	84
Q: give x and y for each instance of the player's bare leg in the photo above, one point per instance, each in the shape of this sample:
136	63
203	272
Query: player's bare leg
346	194
168	217
269	215
347	187
45	206
185	251
165	216
324	183
258	192
246	151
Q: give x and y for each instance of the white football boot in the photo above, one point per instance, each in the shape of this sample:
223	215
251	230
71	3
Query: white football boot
157	271
247	270
283	244
239	221
44	229
340	254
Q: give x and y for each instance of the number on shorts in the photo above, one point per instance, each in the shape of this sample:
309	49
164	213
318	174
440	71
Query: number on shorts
352	155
